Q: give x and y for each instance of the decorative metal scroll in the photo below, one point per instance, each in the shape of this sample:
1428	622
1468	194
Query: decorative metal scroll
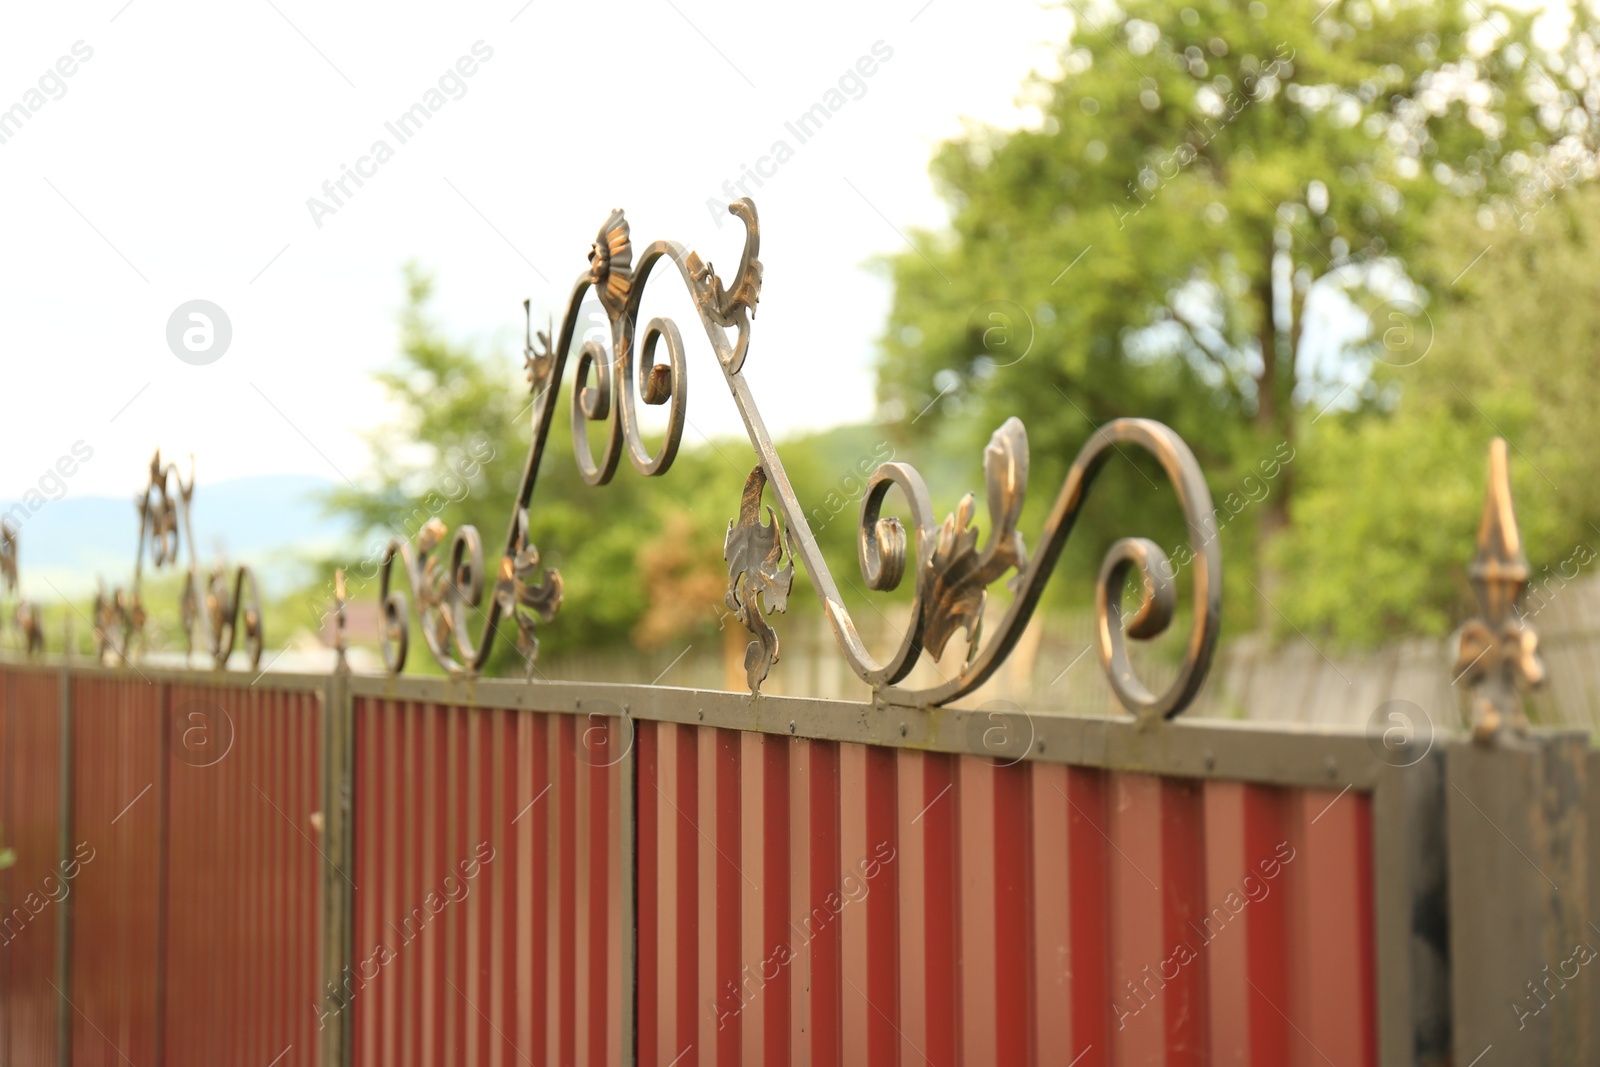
119	616
949	569
26	613
1498	653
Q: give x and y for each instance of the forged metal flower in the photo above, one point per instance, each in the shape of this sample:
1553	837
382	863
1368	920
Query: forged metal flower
611	263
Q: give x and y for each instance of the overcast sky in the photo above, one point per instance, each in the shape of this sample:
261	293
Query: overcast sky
165	152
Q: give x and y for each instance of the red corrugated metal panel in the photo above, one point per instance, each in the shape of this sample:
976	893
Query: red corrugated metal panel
29	919
487	901
819	903
119	793
244	877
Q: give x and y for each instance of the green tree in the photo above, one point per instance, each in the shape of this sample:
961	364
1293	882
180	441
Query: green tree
1200	170
1391	497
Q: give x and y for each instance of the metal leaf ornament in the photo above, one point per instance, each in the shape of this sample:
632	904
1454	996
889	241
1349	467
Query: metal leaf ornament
754	553
959	574
527	592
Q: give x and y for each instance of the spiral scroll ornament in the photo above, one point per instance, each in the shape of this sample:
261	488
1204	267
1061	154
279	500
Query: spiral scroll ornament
232	610
951	563
25	613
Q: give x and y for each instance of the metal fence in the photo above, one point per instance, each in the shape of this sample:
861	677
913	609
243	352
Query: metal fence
377	870
233	867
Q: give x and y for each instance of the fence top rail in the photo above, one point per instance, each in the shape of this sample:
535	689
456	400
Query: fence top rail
79	667
1284	754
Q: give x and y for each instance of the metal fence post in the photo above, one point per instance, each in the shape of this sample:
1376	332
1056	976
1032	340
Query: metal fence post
338	717
628	875
1410	890
1522	948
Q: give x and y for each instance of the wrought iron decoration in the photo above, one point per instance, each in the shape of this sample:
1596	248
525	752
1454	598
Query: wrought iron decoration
1498	653
163	515
950	571
26	613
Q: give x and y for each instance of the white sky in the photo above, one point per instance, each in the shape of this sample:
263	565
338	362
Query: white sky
178	164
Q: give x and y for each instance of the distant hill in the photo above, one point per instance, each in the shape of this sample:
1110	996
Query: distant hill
271	521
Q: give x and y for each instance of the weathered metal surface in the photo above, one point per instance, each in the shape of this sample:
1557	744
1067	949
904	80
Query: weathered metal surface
810	902
1498	651
1520	926
243	960
33	1005
119	616
488	886
951	573
1288	754
119	797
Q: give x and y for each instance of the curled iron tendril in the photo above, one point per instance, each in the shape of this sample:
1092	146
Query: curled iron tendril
953	574
950	571
164	527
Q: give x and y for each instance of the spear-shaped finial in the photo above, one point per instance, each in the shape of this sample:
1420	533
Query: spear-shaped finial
340	640
1498	653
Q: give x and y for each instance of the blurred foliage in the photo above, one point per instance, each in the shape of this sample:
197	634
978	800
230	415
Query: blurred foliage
1198	171
1391	499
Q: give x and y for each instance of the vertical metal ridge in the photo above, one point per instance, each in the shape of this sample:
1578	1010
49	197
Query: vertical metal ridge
1014	921
595	903
480	893
564	905
1052	872
646	986
623	977
542	873
980	956
1331	934
869	912
1183	883
720	895
64	909
824	934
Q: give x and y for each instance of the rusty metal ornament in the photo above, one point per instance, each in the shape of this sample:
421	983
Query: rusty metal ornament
757	577
1497	652
164	528
341	639
951	572
30	626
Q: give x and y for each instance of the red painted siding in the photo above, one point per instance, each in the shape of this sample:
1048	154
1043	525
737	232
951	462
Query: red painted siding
799	902
947	910
488	896
30	924
118	797
244	878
